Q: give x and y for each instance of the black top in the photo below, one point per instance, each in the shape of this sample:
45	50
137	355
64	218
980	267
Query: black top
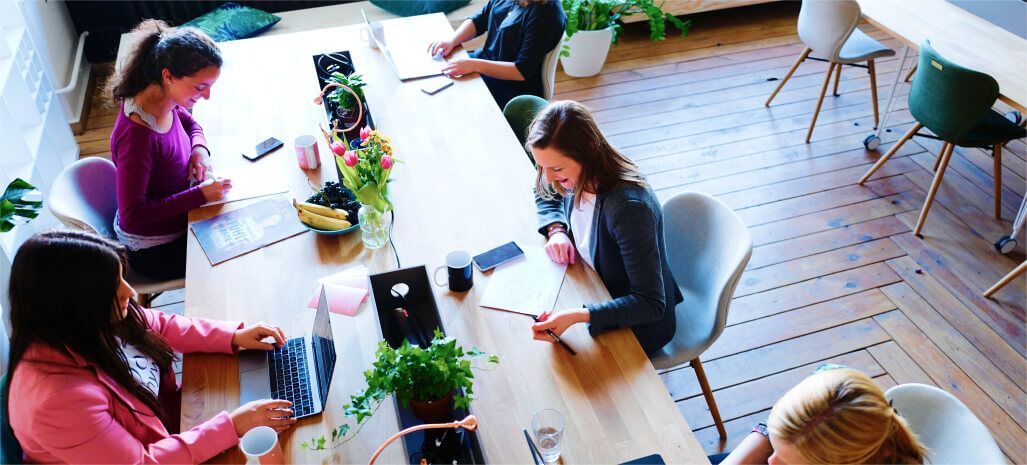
522	35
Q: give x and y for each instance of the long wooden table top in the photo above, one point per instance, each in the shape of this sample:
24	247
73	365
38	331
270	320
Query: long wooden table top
960	36
465	184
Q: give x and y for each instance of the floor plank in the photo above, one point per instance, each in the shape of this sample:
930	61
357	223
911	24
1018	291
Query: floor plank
825	241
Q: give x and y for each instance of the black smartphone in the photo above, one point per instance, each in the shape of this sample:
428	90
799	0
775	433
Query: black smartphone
263	148
497	256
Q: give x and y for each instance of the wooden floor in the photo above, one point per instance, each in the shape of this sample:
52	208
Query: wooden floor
836	275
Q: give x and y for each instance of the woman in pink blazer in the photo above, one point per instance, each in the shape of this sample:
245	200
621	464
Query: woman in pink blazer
91	378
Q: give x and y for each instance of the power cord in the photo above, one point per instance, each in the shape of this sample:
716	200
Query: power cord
393	244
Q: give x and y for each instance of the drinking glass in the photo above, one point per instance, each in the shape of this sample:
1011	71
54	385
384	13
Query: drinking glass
547	426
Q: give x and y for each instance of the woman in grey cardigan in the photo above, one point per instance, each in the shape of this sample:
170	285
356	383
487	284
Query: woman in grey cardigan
593	203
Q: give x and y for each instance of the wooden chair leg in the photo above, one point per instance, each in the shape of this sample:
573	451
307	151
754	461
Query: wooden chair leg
837	78
997	155
802	58
873	90
912	71
820	100
895	148
937	161
946	154
1019	270
708	393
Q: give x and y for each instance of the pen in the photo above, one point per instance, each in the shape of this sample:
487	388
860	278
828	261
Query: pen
535	454
551	333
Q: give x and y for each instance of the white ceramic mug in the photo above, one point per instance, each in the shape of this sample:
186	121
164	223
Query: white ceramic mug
306	152
261	446
365	35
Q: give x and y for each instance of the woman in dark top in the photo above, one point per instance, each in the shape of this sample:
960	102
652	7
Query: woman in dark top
595	205
520	34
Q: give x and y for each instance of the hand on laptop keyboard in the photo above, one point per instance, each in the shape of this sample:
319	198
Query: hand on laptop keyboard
277	414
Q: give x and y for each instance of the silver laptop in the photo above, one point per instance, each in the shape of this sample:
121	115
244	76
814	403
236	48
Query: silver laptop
300	371
407	54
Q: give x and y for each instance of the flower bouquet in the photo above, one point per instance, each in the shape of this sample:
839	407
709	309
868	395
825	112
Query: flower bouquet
365	165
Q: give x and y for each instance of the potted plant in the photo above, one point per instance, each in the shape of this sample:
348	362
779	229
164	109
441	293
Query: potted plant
592	27
364	166
348	111
431	381
15	209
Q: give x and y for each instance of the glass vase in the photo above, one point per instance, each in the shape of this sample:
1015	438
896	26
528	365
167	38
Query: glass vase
374	226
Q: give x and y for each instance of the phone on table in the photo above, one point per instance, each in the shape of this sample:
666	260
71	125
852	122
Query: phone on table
263	148
434	86
497	256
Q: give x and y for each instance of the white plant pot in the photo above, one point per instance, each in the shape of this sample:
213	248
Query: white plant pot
588	50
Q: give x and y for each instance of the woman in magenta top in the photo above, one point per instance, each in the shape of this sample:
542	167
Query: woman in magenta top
90	375
159	150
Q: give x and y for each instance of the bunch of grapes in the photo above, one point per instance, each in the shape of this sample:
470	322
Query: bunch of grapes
334	195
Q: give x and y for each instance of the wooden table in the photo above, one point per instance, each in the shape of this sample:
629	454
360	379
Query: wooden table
465	184
959	36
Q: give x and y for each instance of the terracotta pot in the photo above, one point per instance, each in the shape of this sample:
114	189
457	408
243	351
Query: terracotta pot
435	411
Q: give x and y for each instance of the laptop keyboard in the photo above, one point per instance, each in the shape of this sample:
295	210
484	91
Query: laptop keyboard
289	377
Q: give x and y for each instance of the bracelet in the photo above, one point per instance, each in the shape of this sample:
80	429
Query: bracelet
554	228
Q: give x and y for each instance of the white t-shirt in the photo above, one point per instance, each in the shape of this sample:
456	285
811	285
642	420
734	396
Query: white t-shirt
143	368
581	225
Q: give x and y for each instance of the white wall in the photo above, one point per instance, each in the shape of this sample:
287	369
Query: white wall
53	33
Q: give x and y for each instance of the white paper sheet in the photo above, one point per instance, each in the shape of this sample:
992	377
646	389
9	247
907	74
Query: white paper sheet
247	187
528	286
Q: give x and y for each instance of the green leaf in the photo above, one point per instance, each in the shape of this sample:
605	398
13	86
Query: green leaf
304	445
14	206
493	359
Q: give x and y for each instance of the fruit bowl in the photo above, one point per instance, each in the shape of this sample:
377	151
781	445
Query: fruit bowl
337	232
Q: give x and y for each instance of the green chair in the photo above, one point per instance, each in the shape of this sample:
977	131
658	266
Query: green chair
955	104
10	450
519	112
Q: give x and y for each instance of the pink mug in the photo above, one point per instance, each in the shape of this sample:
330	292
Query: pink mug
261	446
306	152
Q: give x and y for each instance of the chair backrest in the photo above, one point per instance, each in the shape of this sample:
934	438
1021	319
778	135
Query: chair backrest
947	98
10	449
708	247
84	196
549	71
519	112
949	430
825	25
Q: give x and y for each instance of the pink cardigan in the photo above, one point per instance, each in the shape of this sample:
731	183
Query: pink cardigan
64	410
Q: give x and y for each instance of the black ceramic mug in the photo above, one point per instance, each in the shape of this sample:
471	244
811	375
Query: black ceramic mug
459	271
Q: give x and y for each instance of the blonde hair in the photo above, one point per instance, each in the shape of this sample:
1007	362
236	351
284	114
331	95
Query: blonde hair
568	127
841	416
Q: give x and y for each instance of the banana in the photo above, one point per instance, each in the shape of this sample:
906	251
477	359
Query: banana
321	210
323	223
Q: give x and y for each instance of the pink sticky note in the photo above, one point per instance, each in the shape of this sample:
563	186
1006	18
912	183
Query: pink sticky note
355	277
343	300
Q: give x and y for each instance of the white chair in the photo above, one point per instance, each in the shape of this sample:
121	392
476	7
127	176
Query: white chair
549	71
949	430
84	197
708	247
828	28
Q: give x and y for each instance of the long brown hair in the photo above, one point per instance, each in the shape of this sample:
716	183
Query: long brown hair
63	294
841	416
182	51
569	128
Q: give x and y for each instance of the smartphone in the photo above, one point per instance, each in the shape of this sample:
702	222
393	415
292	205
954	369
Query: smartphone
432	87
263	148
497	256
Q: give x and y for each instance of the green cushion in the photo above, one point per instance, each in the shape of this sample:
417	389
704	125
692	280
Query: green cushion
519	113
419	7
232	21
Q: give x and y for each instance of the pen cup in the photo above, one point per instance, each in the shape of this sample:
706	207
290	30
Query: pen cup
261	446
306	152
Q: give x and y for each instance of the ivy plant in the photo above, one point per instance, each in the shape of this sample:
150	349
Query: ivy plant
14	208
411	373
594	15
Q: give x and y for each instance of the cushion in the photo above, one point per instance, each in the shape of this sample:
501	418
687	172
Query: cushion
419	7
232	21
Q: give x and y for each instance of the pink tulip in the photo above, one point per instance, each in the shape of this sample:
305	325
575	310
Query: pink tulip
350	158
338	148
386	162
365	132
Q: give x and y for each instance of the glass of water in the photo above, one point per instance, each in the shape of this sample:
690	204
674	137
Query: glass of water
547	425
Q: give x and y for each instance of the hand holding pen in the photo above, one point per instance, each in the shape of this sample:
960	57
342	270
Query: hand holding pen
550	325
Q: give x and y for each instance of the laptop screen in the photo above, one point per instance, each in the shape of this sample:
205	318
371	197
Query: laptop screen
324	348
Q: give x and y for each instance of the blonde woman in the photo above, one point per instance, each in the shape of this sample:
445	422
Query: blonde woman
836	416
594	205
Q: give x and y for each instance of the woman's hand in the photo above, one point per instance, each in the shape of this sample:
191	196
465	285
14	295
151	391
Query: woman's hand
252	337
558	322
215	189
560	248
273	413
199	163
444	46
460	67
